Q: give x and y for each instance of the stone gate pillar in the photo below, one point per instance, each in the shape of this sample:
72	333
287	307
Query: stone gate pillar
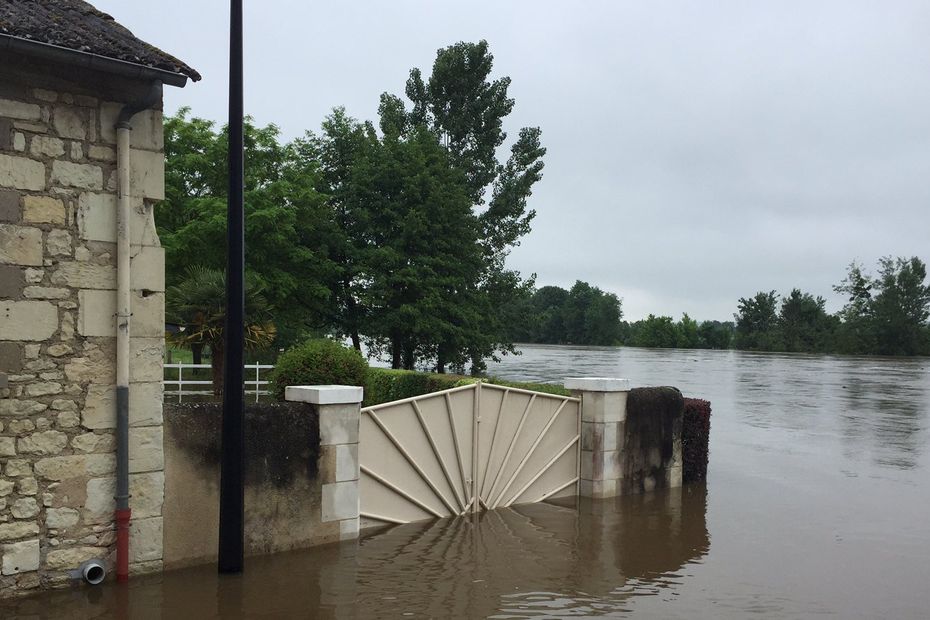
603	419
339	409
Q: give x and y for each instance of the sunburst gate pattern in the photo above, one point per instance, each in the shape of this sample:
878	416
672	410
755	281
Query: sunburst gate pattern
466	449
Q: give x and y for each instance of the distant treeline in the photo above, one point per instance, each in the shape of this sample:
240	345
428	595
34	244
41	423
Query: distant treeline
885	314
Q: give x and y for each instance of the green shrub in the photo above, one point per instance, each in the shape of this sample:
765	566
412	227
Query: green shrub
385	385
318	362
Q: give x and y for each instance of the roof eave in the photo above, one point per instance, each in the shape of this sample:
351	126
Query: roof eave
89	60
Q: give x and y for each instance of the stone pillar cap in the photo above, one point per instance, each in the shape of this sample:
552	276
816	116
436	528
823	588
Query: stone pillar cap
597	384
324	394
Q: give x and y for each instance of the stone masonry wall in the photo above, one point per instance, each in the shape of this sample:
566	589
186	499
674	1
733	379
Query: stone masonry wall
57	324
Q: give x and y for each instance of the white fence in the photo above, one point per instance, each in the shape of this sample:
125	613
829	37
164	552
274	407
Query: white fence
178	387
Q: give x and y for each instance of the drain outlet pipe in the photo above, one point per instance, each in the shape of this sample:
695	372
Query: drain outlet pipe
123	316
92	571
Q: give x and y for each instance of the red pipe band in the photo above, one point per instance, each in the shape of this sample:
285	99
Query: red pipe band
122	544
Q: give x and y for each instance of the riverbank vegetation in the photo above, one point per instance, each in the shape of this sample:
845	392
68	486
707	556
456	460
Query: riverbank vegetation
885	314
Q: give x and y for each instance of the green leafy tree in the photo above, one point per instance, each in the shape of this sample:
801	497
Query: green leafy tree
656	332
901	307
757	322
804	324
716	334
287	225
688	333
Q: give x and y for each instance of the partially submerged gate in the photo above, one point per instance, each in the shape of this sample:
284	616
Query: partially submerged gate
466	449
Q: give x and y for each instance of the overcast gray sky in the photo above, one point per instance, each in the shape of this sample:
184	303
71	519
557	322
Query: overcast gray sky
698	152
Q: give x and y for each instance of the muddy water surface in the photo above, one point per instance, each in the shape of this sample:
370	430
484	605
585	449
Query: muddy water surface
817	505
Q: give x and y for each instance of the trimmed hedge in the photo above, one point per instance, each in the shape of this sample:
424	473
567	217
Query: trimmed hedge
318	362
383	385
695	440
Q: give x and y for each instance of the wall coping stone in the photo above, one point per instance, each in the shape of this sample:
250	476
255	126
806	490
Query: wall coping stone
324	394
597	384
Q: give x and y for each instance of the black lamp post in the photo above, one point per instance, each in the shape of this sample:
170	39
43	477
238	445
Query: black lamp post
232	463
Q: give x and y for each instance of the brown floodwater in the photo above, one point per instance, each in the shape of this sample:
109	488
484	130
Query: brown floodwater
817	504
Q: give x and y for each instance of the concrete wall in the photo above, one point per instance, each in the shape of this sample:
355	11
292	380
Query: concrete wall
57	325
294	487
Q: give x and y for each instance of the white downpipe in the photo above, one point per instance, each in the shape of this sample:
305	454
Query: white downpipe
124	206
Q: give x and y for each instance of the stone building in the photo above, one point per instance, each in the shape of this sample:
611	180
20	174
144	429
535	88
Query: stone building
67	72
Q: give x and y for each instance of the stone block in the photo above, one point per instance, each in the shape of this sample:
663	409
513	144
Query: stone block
147	269
70	559
20	408
147	491
21	557
46	146
145	539
82	176
348	529
603	407
146	359
21	173
338	424
70	122
97	313
7	446
147	174
324	394
43	210
19	142
42	388
46	292
13	531
96	366
59	468
20	110
145	405
102	153
25	508
43	443
28	320
77	151
148	315
340	501
15	468
93	442
6	134
61	518
20	245
58	243
9	206
146	449
11	357
601	465
346	462
11	281
84	275
97	219
597	384
147	127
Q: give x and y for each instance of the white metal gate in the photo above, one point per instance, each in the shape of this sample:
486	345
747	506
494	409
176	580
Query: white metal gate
462	450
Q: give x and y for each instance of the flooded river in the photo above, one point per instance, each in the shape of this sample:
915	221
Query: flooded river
817	504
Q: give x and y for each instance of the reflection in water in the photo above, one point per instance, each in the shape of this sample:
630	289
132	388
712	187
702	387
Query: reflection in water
587	559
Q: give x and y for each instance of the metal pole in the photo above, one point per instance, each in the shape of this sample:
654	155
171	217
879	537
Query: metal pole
231	461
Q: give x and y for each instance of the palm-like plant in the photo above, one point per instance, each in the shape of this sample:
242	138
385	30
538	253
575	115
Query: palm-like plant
199	304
